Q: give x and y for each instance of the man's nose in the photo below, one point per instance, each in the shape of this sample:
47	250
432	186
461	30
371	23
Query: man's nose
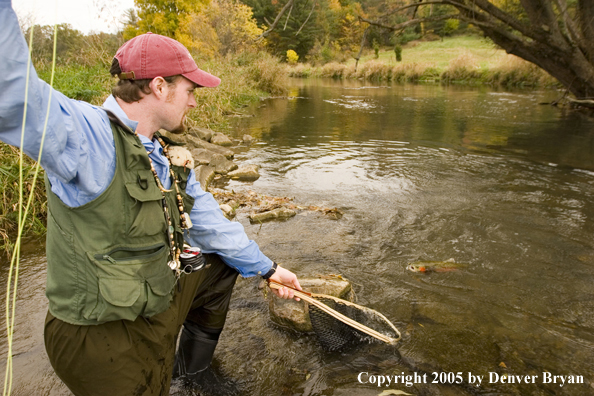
192	103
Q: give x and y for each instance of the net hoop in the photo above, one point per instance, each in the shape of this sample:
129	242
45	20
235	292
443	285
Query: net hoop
310	298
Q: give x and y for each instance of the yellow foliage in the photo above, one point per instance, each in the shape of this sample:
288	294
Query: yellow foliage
334	5
222	27
351	30
165	16
199	37
292	57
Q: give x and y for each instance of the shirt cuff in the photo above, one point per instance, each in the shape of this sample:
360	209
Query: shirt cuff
271	271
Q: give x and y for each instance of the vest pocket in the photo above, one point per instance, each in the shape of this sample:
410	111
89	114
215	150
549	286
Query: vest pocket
147	212
131	282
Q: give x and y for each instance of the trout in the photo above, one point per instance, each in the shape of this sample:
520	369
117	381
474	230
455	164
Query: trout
434	266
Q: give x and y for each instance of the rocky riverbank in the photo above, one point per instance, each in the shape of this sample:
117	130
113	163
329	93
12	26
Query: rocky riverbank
212	156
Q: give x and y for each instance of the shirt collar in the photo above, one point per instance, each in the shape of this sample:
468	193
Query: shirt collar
112	105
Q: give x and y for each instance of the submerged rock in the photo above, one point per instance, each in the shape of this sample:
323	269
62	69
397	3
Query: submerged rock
247	139
276	214
246	173
295	315
221	164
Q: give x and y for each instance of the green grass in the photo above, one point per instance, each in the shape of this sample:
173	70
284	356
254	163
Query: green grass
245	79
89	83
9	197
464	59
441	53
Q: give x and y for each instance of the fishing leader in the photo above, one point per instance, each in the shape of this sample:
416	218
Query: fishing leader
120	219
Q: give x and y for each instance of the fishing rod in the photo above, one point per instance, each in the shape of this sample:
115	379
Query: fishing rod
22	215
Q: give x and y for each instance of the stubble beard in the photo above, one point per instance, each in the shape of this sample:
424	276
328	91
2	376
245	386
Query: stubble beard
181	128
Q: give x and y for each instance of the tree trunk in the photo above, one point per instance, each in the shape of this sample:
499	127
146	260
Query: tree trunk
542	42
548	35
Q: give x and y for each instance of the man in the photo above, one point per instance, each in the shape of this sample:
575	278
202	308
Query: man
118	220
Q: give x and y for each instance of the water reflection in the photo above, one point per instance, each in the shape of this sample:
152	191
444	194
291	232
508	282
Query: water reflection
473	119
491	179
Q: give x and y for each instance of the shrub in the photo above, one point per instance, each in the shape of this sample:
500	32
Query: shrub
376	48
292	57
464	67
333	70
450	26
303	70
514	71
398	52
409	34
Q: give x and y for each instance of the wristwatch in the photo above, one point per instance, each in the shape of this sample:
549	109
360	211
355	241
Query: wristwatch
271	272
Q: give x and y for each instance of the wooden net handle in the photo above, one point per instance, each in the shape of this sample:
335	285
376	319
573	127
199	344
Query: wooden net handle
345	319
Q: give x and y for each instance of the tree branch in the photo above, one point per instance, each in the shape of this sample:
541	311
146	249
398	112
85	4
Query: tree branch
444	2
585	12
485	6
583	102
575	37
504	17
406	24
361	48
543	18
414	14
307	19
288	15
278	17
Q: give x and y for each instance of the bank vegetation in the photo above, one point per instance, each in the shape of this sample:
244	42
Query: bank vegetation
457	60
82	73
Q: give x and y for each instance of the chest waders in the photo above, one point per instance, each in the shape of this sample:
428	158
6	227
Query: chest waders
115	307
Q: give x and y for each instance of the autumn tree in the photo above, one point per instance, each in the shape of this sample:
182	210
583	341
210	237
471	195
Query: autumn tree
309	27
162	16
556	35
220	28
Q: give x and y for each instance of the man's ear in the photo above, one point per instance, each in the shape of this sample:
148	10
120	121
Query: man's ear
159	87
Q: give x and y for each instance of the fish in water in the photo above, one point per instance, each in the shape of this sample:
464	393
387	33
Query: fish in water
434	266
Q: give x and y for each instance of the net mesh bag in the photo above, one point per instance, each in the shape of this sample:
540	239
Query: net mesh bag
338	323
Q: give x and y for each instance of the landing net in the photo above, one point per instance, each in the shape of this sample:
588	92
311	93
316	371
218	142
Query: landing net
338	323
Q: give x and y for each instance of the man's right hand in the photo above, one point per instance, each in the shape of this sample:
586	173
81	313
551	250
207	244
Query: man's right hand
288	278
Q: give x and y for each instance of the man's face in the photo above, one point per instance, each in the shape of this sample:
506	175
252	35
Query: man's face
180	99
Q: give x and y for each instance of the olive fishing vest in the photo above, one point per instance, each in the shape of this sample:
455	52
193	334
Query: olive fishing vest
107	259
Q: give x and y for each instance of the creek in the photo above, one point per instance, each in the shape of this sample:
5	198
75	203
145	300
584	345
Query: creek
486	177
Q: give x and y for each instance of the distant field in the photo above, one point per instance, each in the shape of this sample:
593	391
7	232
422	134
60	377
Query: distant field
440	53
463	59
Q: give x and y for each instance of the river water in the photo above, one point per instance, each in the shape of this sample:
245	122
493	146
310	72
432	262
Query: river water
491	179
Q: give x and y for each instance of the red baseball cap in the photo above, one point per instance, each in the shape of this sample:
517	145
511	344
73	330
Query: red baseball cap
151	55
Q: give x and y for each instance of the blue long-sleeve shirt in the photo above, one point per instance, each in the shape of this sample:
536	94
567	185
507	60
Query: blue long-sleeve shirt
79	150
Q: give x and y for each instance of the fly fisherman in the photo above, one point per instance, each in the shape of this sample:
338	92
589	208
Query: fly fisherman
118	219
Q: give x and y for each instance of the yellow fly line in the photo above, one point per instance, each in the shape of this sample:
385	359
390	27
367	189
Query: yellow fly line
11	290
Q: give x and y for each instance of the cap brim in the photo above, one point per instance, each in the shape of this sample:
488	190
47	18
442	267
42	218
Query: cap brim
202	78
